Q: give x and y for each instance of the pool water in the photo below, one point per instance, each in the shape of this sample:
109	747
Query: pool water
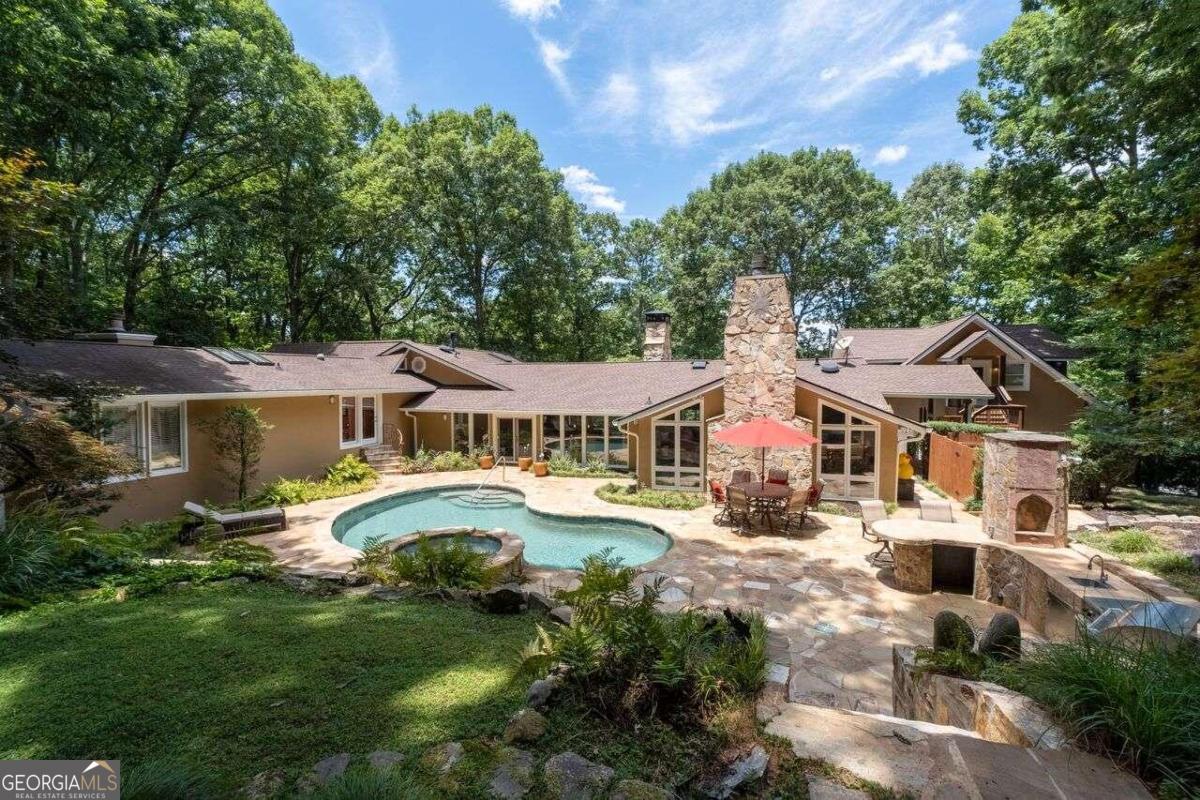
475	543
550	540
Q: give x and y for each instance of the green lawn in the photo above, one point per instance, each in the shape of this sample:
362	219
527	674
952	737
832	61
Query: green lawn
247	678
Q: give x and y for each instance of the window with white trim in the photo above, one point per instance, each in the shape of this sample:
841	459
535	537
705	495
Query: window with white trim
152	435
1016	375
848	459
677	449
586	437
358	422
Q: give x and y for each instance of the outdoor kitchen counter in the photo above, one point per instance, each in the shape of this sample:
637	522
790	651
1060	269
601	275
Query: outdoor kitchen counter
919	531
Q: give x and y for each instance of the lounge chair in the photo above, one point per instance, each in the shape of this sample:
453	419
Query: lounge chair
936	511
778	476
875	511
260	520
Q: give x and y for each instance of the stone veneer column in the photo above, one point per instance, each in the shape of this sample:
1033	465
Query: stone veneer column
1024	471
760	376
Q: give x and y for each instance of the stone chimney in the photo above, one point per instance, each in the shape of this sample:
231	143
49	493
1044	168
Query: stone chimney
760	374
1025	488
657	344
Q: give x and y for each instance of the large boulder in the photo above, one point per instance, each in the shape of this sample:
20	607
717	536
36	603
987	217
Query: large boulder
506	598
1001	640
562	615
539	602
570	776
327	769
513	774
526	725
384	759
952	632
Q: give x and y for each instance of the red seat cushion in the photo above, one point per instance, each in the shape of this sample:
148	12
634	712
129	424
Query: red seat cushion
778	481
718	491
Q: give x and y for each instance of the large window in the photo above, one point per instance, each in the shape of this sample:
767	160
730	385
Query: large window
471	432
1016	375
358	423
582	438
152	435
677	449
849	454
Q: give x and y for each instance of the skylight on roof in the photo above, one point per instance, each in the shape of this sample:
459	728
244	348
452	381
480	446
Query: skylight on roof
254	358
227	355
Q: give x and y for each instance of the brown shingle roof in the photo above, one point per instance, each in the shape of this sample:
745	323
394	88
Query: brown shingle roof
586	387
1043	342
189	370
872	384
897	344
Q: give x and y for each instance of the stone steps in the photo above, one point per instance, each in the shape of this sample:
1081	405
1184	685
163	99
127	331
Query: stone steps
931	761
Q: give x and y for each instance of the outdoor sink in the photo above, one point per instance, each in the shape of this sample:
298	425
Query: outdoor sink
1093	583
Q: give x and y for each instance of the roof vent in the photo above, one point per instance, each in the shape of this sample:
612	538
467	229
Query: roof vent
699	364
830	367
116	333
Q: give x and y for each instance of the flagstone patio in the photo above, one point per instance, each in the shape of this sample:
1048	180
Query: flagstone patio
833	618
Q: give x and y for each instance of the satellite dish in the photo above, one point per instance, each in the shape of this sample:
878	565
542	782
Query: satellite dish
843	343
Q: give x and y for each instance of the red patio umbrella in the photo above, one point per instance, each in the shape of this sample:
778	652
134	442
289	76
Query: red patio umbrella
764	432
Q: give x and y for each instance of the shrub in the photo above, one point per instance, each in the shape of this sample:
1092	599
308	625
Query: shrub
946	427
627	660
1134	703
32	547
650	498
155	780
239	551
430	461
595	467
1132	540
350	469
433	564
145	578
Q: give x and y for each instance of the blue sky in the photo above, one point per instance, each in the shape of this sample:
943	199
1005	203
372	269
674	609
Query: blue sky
639	103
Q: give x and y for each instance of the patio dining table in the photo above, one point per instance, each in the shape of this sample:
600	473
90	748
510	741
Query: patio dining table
765	496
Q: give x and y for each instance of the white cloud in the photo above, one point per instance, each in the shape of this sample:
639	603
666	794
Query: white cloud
554	56
690	97
533	10
586	187
619	97
891	154
829	73
366	49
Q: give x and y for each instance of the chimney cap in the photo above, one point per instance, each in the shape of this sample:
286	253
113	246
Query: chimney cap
658	316
758	264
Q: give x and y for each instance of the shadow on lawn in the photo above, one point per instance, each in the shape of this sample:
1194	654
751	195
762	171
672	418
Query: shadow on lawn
252	678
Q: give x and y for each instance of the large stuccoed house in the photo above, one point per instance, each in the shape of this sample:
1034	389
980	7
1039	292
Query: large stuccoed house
653	418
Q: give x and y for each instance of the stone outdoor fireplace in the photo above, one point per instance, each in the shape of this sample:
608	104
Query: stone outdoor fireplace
1025	488
760	375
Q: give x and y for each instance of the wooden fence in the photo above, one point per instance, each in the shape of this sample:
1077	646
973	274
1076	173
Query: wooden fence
952	466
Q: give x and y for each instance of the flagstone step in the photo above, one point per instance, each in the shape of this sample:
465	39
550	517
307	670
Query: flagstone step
937	761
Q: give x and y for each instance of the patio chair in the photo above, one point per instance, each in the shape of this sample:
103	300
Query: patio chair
738	508
742	476
260	520
778	476
799	503
720	500
875	511
937	511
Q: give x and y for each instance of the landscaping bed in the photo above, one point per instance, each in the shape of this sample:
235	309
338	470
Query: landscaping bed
629	495
1162	553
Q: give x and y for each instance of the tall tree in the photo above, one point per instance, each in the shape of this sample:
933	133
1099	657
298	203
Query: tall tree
820	218
642	282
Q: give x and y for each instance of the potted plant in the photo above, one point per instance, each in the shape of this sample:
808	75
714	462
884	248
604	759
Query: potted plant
541	467
524	461
487	459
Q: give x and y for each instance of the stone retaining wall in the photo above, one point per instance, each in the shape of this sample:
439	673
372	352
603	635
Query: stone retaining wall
995	713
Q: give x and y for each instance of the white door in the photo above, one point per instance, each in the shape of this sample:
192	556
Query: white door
848	459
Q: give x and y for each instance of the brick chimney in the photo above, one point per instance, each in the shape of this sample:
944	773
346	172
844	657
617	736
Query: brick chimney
760	373
657	344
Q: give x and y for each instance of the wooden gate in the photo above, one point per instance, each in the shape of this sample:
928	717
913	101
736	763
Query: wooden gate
952	466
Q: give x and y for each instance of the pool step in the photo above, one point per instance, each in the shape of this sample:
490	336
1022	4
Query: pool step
482	499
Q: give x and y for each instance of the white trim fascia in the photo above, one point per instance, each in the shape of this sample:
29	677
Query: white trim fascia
861	407
671	402
423	351
1028	354
195	396
957	351
939	395
510	413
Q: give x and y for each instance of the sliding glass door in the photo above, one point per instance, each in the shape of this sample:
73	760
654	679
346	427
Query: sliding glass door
514	437
677	449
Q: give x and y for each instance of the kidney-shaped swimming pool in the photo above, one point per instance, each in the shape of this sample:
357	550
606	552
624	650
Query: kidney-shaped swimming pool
550	540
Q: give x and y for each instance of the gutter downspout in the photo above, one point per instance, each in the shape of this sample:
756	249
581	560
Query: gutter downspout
636	452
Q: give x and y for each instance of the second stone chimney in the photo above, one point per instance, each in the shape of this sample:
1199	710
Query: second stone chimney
657	344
